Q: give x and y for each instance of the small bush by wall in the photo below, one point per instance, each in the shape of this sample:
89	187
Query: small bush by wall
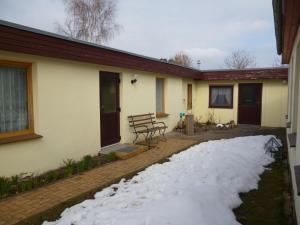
10	186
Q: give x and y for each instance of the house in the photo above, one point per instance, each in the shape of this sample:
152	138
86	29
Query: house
63	98
253	96
287	22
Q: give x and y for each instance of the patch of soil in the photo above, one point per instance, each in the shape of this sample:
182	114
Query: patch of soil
270	204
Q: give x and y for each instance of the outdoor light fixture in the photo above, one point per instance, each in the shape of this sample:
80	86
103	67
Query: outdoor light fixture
134	80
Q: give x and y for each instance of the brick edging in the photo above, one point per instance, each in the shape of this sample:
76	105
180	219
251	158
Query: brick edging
53	213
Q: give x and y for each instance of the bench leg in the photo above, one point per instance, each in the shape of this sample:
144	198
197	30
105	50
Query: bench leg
150	139
136	137
162	134
147	140
146	136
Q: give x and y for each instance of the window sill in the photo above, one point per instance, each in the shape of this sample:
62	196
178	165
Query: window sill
220	107
297	178
292	137
161	115
24	137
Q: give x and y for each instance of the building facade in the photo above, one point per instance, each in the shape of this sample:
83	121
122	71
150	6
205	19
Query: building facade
287	22
62	98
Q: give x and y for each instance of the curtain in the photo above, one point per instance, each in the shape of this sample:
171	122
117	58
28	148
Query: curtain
221	96
159	95
13	99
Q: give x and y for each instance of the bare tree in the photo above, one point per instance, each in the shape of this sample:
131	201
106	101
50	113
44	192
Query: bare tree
181	58
90	20
276	61
240	59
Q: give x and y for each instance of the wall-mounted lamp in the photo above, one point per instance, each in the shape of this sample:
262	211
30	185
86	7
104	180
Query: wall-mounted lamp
134	80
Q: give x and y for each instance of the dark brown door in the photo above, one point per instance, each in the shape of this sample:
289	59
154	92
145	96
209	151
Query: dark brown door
249	109
189	96
109	108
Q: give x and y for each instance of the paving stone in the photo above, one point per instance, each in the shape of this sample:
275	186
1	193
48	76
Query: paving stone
16	209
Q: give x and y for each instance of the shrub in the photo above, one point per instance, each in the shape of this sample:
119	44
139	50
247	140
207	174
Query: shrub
51	176
87	161
97	162
80	166
111	157
69	165
16	184
37	182
211	118
15	179
27	185
5	185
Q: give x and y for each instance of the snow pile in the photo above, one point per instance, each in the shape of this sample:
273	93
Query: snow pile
199	186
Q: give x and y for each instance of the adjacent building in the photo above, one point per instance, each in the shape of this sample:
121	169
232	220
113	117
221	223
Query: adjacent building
287	22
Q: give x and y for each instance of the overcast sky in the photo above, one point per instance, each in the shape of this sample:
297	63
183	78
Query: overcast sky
208	30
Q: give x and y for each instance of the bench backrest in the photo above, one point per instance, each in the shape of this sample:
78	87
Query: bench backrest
141	120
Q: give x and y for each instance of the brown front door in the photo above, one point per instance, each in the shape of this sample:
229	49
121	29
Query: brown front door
249	109
189	96
109	108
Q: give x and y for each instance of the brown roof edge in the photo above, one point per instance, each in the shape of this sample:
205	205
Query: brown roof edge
287	21
246	74
22	39
277	11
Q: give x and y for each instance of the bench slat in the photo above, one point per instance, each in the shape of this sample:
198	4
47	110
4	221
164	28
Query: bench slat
138	124
133	116
149	118
149	129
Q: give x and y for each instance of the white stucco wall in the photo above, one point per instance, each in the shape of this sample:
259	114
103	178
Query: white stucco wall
274	102
294	109
139	98
67	112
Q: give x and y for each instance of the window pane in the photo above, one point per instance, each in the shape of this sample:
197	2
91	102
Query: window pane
109	95
221	96
249	95
159	95
13	99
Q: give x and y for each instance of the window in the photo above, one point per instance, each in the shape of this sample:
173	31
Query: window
160	92
249	95
16	114
221	96
189	96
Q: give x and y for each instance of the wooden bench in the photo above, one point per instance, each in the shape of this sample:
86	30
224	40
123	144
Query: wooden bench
146	125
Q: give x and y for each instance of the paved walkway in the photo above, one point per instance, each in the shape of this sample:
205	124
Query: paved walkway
46	203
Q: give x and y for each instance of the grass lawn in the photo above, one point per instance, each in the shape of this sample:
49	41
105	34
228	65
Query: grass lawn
266	206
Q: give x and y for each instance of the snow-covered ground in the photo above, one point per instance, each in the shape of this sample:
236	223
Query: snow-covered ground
198	186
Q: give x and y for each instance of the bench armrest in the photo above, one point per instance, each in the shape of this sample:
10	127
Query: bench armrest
141	126
164	125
